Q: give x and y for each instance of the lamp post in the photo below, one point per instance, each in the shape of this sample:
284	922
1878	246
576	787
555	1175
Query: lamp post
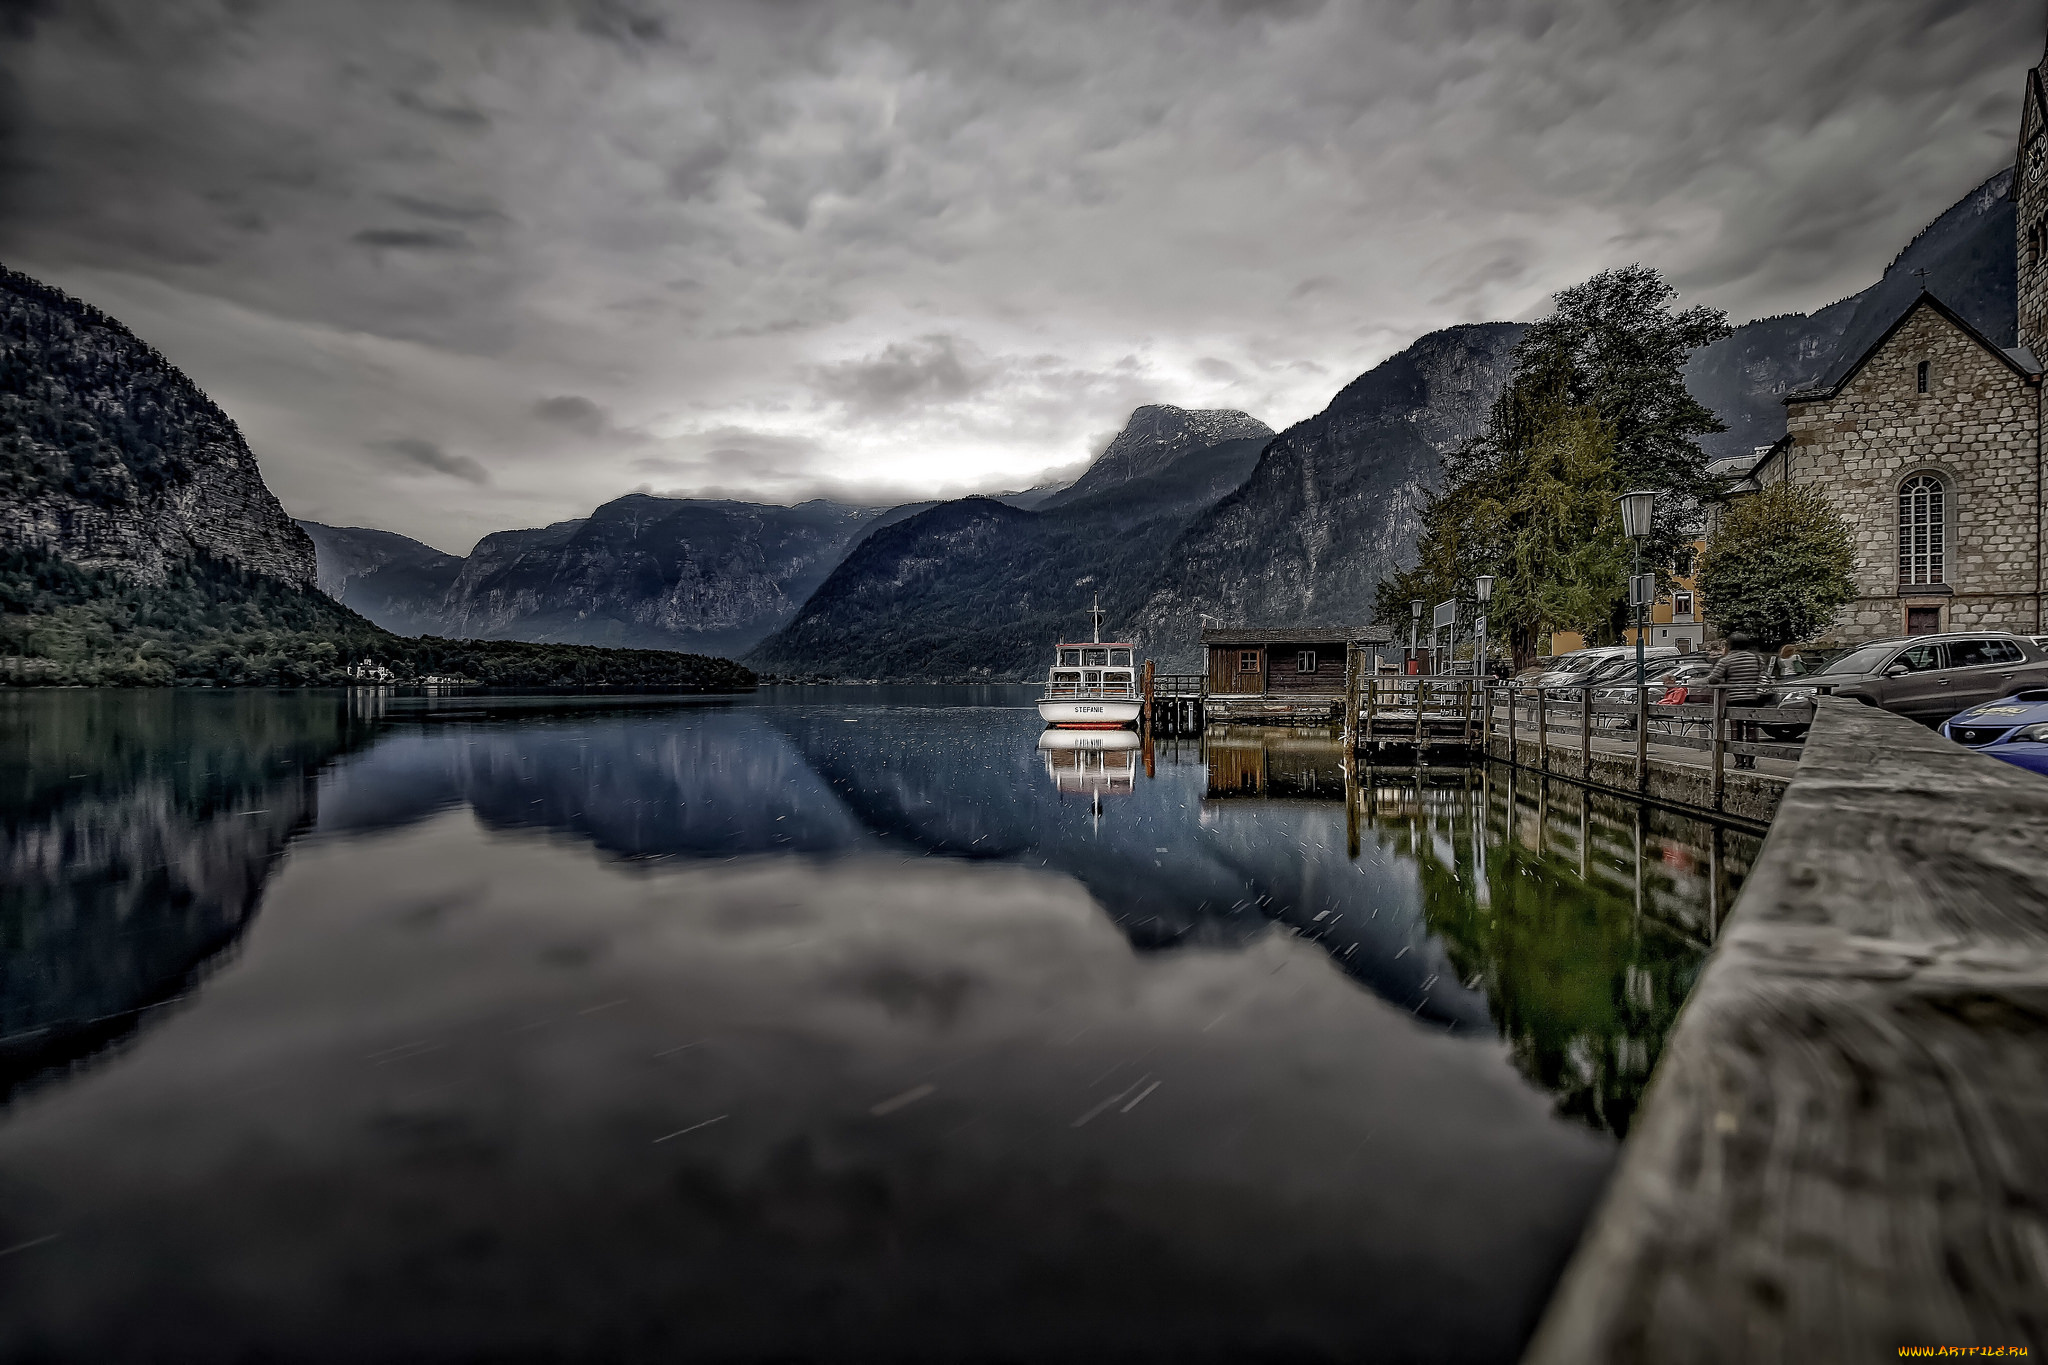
1482	590
1414	634
1637	510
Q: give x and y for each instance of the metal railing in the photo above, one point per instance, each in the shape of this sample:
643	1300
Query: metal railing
1091	691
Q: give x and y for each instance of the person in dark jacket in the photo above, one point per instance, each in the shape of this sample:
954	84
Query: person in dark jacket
1742	671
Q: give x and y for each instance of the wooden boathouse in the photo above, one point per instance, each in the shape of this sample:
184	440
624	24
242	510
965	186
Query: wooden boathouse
1282	674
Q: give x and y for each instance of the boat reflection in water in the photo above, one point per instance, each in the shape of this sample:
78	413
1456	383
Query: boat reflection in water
1091	762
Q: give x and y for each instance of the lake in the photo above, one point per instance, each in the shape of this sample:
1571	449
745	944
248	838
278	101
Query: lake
833	1024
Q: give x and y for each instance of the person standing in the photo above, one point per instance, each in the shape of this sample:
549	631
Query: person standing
1742	671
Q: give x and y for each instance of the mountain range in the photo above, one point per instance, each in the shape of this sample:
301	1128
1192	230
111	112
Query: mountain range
113	461
1186	516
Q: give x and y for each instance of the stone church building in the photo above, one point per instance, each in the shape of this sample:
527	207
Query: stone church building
1929	443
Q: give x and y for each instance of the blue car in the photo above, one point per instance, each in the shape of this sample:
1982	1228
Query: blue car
2014	729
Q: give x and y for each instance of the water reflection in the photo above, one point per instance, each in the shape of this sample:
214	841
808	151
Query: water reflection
136	834
826	1024
1091	763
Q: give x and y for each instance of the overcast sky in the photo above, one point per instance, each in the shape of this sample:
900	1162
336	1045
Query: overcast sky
462	265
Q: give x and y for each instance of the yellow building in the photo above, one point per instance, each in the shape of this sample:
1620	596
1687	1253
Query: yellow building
1676	618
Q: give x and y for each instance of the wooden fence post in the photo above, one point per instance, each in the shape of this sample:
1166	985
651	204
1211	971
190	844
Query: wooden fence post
1720	743
1642	737
1542	733
1586	741
1514	704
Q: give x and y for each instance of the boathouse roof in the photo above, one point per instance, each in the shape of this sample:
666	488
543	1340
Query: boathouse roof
1228	636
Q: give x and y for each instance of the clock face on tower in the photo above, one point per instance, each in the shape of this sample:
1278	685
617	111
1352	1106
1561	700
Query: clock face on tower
2037	151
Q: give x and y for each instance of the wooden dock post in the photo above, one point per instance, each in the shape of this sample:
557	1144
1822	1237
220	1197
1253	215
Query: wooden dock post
1145	701
1353	665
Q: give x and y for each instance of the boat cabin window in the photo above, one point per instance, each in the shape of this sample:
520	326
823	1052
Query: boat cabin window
1095	657
1062	675
1305	662
1071	658
1121	658
1093	678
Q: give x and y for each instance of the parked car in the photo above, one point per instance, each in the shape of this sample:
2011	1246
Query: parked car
1608	664
2013	729
1932	677
1569	668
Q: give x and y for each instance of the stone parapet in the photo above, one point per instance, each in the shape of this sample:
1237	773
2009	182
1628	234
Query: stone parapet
1841	1152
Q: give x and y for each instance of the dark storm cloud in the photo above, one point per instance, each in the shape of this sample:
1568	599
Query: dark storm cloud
413	455
931	369
414	239
577	413
927	240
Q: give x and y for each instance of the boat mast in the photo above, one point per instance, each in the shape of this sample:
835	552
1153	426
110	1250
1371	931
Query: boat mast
1097	613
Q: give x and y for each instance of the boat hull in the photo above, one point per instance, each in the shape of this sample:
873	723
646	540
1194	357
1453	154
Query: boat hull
1082	712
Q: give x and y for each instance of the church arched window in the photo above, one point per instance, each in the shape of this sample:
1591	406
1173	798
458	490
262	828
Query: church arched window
1923	530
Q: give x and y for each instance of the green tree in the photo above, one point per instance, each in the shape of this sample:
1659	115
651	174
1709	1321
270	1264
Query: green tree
1777	565
1596	404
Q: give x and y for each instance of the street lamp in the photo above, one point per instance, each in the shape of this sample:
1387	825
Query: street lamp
1414	632
1482	589
1637	512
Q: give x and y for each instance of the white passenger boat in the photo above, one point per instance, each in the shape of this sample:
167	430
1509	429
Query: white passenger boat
1093	684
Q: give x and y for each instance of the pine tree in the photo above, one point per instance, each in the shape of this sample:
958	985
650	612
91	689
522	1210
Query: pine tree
1597	404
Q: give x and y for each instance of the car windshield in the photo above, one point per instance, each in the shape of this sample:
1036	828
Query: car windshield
1858	661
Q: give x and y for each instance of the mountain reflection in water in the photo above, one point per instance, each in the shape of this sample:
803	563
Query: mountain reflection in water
831	1023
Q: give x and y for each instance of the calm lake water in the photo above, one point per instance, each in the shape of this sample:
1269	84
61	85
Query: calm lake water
836	1024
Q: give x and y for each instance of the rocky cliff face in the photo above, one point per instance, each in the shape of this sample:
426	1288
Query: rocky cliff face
395	581
641	572
1155	437
979	589
111	458
1335	502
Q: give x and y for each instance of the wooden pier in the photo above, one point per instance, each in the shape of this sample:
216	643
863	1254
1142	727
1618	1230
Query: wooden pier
1682	756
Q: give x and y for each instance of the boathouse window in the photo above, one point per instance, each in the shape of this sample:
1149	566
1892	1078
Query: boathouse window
1248	661
1923	503
1920	378
1305	662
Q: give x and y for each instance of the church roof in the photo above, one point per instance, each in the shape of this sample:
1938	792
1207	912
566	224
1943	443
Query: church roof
2019	360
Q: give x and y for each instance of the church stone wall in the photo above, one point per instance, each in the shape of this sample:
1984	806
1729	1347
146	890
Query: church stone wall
1978	427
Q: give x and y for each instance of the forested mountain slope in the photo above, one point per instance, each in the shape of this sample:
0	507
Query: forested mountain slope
979	589
111	457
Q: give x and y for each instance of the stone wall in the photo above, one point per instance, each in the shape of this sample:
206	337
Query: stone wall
1978	428
1840	1152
